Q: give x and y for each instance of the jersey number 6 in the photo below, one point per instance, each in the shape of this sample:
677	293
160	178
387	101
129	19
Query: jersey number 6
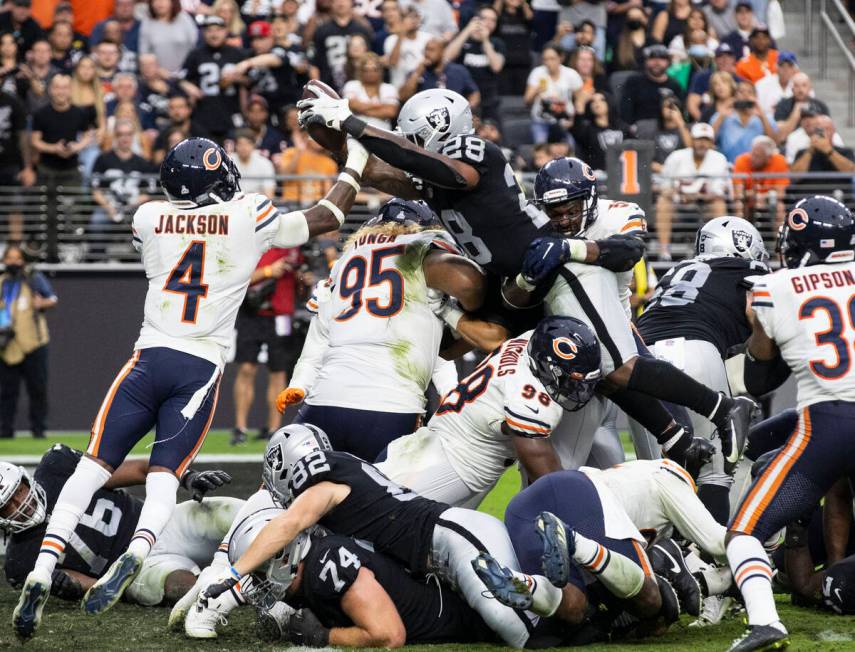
186	278
353	281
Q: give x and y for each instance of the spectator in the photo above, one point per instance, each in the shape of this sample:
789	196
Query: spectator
405	47
437	17
331	38
127	58
107	56
743	15
127	110
629	51
540	156
18	20
168	33
699	87
313	19
515	31
265	320
370	98
679	46
584	61
434	72
721	17
771	89
268	141
596	128
180	112
698	59
38	70
788	111
483	55
697	176
392	16
560	149
123	14
121	182
12	78
230	13
738	124
124	90
762	59
722	92
25	296
800	139
257	173
306	158
642	94
767	193
357	47
669	24
88	94
60	132
285	28
588	20
63	52
550	92
16	167
668	132
216	96
154	91
822	155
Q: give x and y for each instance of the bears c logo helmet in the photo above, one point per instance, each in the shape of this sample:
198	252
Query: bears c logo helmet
212	159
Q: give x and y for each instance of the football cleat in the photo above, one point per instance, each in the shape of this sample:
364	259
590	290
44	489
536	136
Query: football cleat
108	590
185	604
238	437
202	621
556	548
670	609
667	560
713	609
733	430
761	637
505	586
273	622
28	611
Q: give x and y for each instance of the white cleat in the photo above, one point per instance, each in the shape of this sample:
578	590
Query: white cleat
28	611
713	609
201	621
179	611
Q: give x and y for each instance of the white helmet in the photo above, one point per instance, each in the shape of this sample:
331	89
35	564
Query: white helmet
269	582
730	236
433	117
288	446
24	511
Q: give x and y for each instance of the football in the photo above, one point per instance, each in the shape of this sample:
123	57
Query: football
329	139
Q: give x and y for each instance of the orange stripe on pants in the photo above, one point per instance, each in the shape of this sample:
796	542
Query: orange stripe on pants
101	418
189	459
642	557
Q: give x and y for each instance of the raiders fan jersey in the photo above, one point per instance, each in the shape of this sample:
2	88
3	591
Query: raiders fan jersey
395	520
280	86
431	612
493	223
204	67
701	299
104	531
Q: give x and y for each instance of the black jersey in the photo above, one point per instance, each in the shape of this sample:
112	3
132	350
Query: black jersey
394	519
104	531
204	67
330	49
280	86
492	223
431	612
701	299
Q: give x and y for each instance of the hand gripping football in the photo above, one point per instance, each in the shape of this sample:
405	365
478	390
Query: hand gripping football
329	139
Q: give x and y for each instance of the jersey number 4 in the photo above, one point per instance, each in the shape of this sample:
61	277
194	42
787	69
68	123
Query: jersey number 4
833	336
186	278
356	274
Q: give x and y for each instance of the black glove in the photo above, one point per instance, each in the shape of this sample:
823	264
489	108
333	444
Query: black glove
543	256
215	590
700	452
201	482
304	628
619	253
676	441
65	587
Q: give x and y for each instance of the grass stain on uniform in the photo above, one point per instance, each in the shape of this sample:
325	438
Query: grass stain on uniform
409	264
406	368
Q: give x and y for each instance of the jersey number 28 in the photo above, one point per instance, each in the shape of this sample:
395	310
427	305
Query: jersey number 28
186	278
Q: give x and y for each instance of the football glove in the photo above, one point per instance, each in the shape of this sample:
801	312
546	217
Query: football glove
304	628
700	452
676	441
543	256
65	587
289	396
619	253
201	482
227	580
323	110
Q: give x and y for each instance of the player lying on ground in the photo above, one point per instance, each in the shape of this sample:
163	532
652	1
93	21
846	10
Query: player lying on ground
801	314
189	540
352	498
372	348
171	383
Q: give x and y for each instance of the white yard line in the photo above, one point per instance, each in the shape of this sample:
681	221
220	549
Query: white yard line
201	459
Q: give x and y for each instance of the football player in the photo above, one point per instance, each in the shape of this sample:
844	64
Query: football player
504	410
803	319
697	313
189	540
375	321
353	498
199	249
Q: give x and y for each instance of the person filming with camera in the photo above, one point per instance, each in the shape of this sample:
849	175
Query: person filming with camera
738	123
25	295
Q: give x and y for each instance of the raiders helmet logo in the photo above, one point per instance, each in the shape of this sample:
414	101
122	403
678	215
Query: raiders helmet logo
439	119
212	159
741	240
565	348
274	459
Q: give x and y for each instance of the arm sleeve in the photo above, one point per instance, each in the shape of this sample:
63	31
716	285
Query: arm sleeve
687	513
762	304
274	229
309	364
444	376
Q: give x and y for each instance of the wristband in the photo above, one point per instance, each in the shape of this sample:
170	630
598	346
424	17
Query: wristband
357	156
578	250
234	572
523	284
451	316
349	180
332	208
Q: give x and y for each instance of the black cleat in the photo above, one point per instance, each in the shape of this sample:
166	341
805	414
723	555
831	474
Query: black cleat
263	435
733	430
508	589
556	548
108	590
761	637
238	437
28	611
667	560
670	609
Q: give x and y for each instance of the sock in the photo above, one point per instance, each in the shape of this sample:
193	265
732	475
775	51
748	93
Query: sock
161	488
664	381
714	580
716	498
545	596
73	499
753	576
620	575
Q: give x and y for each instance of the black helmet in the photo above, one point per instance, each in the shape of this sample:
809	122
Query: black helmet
198	172
818	230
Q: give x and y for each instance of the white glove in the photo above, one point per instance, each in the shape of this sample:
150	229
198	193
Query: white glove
445	307
323	110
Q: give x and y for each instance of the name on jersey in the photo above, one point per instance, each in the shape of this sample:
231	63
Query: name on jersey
193	224
511	356
808	282
374	238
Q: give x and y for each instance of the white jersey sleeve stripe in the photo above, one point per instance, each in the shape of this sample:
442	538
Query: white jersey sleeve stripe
274	215
529	420
526	428
633	225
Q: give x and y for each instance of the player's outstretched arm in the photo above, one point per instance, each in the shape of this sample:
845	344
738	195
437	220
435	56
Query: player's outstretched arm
385	178
376	621
456	277
307	367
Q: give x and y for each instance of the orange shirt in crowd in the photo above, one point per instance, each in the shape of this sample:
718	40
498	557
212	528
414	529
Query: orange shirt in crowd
309	161
754	69
86	13
777	163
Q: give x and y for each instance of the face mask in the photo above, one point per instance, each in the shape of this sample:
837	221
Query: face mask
634	24
14	270
699	51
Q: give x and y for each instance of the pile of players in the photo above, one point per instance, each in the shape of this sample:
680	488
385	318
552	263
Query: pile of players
360	505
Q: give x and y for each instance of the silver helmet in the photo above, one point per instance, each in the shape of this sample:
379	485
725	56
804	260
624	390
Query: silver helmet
270	581
19	512
433	117
730	236
286	447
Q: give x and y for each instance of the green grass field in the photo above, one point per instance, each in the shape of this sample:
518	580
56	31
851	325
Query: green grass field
127	627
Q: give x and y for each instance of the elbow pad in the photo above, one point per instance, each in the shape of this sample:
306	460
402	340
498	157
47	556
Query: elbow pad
764	376
293	230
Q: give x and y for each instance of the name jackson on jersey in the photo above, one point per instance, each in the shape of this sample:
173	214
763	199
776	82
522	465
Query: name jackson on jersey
193	224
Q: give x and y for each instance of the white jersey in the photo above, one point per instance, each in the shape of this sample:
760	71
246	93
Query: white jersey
659	494
618	218
501	391
198	262
382	339
808	312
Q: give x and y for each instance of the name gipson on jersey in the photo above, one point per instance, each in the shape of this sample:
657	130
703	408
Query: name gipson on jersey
193	224
813	281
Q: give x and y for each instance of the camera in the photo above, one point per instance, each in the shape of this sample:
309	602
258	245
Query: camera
819	131
741	105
